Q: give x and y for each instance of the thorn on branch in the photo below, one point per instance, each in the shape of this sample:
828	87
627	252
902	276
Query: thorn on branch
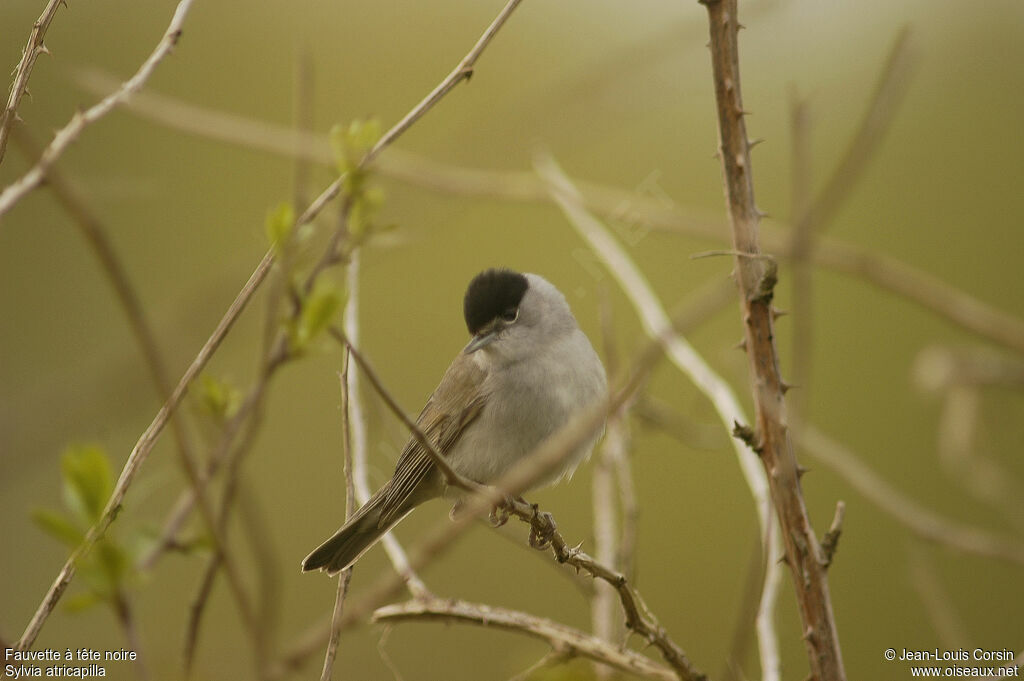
830	542
766	285
742	345
747	435
800	471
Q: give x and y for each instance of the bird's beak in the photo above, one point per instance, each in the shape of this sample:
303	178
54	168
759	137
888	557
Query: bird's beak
481	340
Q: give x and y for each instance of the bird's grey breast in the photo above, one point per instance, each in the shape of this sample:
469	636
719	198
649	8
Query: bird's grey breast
528	401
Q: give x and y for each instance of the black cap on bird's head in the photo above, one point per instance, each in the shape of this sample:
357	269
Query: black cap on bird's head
493	294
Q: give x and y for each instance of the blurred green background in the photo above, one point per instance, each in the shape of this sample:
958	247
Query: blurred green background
620	94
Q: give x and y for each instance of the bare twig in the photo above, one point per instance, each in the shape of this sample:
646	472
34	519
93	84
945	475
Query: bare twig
882	106
604	623
96	236
463	71
657	324
97	239
350	507
70	132
810	217
126	616
23	71
451	476
614	533
756	281
830	542
639	619
248	412
139	453
923	522
357	427
564	640
884	271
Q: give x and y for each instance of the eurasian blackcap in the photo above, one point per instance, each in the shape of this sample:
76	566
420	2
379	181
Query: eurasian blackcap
527	370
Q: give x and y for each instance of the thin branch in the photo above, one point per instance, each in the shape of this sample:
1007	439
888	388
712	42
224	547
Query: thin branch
614	533
656	324
920	520
830	542
883	271
126	616
639	619
882	107
139	453
70	132
565	640
604	624
463	71
451	476
350	507
23	71
357	426
96	236
756	279
97	239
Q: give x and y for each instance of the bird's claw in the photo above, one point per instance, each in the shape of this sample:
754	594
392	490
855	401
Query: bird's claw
498	515
542	529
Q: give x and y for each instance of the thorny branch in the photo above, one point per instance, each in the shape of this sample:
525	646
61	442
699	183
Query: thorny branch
803	553
23	71
81	120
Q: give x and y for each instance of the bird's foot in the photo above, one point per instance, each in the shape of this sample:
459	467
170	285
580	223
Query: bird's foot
542	529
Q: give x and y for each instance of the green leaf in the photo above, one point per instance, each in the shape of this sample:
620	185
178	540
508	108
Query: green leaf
339	147
58	526
351	142
279	224
318	311
219	398
364	208
82	601
88	481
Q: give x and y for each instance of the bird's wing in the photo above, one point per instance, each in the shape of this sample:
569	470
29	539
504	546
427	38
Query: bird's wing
456	402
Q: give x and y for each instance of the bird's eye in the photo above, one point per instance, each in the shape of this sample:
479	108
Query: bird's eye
510	315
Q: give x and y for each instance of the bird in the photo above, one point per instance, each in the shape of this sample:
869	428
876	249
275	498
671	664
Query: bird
527	370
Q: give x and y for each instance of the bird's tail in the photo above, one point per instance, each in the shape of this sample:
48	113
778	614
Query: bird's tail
353	540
